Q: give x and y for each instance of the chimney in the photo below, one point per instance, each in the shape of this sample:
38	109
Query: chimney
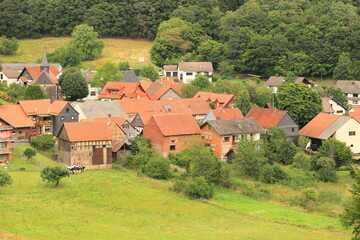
109	115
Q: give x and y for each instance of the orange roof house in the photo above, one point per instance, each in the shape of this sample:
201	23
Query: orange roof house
330	105
219	99
23	127
120	90
276	118
168	133
79	146
325	126
223	114
158	91
354	112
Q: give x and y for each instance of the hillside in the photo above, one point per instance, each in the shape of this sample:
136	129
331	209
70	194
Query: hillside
109	204
115	50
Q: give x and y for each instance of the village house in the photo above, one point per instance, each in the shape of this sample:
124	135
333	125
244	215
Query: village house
45	75
331	106
120	90
8	76
48	115
276	118
145	83
275	81
93	91
351	90
97	109
223	135
19	67
354	112
197	107
340	127
23	127
85	143
129	130
168	133
159	91
5	141
218	99
187	71
223	114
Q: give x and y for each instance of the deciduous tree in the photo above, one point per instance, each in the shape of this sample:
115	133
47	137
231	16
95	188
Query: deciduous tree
54	174
108	72
35	92
73	84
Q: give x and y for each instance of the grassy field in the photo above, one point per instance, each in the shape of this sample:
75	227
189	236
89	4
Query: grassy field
109	204
115	50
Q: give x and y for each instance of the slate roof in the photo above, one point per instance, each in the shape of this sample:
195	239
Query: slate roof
266	117
15	116
44	61
323	125
10	73
348	86
176	124
44	78
130	76
235	126
170	68
95	109
195	66
87	131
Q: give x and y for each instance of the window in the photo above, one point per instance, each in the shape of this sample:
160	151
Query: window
173	141
174	74
13	131
92	93
34	118
20	132
72	117
48	128
352	145
292	129
67	109
131	134
1	76
355	95
126	125
62	118
189	74
352	133
2	145
355	102
172	147
34	129
226	139
168	74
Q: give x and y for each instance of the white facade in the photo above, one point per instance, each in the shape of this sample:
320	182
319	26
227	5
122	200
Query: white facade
93	93
349	133
353	98
6	79
187	77
338	109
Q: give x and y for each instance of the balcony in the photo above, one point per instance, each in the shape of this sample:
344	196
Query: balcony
6	150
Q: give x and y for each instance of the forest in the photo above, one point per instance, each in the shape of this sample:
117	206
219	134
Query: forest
277	37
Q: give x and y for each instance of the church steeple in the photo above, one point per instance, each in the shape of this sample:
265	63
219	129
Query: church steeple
44	65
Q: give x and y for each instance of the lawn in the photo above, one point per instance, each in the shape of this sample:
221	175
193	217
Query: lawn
115	50
109	204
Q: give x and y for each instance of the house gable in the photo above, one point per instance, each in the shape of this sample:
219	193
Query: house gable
289	125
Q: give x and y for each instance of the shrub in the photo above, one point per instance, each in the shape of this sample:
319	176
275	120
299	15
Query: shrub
5	178
44	142
326	169
54	174
336	150
180	159
199	188
300	180
179	186
143	152
124	66
225	176
302	161
272	174
29	153
309	198
158	167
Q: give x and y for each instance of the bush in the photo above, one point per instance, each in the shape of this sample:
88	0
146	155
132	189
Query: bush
5	178
44	142
179	186
225	176
302	161
124	66
143	152
54	174
180	159
8	46
301	180
325	168
272	174
158	167
309	198
199	188
29	153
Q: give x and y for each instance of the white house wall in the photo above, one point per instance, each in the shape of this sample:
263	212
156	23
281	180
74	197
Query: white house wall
342	134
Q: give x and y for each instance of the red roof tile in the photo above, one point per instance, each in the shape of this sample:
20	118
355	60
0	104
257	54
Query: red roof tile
227	113
87	131
35	72
176	124
118	120
318	125
42	106
15	116
223	99
266	117
119	90
355	113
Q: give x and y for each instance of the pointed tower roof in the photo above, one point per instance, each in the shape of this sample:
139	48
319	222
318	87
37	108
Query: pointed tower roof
44	61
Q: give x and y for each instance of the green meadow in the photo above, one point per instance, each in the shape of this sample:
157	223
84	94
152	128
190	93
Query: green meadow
113	204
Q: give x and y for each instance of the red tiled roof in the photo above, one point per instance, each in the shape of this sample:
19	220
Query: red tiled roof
227	113
117	120
87	131
42	106
223	99
355	113
145	83
318	125
266	117
119	90
35	72
177	124
15	116
11	73
24	79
